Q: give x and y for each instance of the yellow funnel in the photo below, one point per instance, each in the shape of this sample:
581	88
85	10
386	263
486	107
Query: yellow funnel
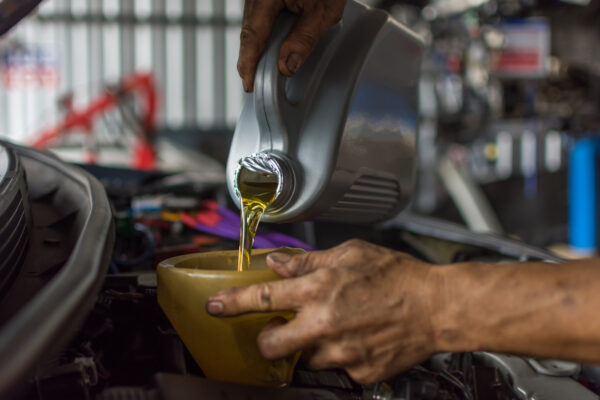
224	348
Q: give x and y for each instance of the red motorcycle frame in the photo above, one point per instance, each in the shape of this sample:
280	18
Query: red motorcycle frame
142	84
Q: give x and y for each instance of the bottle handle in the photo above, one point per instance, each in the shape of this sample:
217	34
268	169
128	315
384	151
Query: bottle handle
270	100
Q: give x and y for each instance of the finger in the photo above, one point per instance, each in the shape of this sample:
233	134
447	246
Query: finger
306	33
277	342
283	295
275	322
278	262
367	373
301	264
333	355
364	374
256	26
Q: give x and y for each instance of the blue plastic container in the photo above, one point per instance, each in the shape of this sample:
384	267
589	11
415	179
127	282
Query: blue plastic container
583	196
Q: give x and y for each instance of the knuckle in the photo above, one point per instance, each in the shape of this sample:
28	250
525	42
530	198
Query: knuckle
336	12
356	375
295	6
362	376
307	40
353	243
266	348
325	277
304	262
353	253
337	16
337	360
358	249
340	357
297	263
314	363
263	299
310	291
327	323
248	34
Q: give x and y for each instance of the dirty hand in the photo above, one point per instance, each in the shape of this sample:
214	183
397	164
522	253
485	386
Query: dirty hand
315	17
360	307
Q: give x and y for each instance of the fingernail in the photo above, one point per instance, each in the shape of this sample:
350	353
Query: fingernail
214	307
279	258
246	86
293	62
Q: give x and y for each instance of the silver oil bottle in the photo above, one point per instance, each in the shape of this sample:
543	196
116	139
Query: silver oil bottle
343	129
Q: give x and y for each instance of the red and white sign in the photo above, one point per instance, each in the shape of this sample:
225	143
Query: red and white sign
29	67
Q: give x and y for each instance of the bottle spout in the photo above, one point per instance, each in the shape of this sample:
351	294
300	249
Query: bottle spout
270	162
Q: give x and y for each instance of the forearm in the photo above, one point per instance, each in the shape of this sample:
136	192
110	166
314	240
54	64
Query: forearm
537	309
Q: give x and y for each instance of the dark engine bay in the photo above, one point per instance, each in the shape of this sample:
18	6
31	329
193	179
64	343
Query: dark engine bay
80	323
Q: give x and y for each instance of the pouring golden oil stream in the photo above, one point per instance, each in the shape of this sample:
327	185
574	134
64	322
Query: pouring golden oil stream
257	189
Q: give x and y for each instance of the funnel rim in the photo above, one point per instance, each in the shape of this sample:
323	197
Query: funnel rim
178	261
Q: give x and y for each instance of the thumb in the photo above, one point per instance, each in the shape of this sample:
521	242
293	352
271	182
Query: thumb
290	266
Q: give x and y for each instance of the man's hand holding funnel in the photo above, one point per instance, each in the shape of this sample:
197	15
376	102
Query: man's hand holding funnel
340	320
